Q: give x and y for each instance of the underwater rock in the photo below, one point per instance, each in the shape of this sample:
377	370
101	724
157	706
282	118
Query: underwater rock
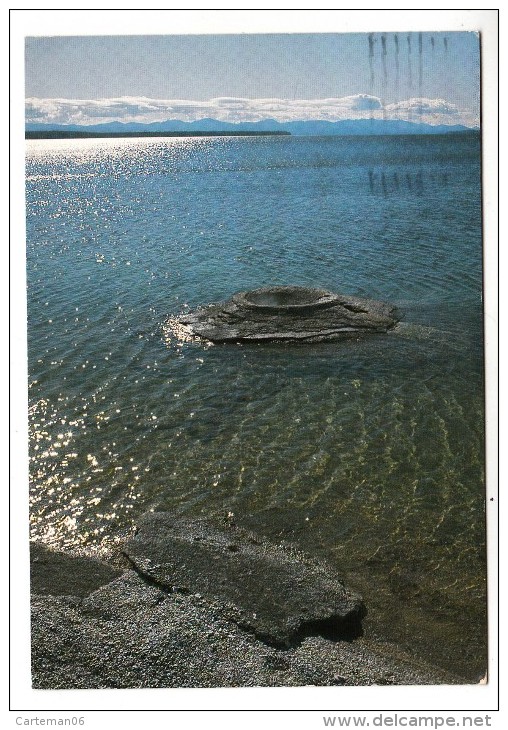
292	313
59	574
272	590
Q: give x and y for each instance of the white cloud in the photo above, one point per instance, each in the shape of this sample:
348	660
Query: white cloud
237	109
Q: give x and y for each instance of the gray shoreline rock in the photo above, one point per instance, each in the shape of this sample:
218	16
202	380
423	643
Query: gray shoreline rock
289	313
272	590
128	634
136	631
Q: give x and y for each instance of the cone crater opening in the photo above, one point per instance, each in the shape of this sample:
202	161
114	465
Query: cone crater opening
285	298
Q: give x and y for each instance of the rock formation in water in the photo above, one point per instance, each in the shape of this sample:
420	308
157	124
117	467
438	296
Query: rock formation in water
292	313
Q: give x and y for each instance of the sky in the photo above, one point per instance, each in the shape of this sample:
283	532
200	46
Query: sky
430	77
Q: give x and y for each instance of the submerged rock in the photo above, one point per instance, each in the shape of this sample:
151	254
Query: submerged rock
289	313
272	590
58	574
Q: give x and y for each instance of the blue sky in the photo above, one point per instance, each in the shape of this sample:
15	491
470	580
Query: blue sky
432	77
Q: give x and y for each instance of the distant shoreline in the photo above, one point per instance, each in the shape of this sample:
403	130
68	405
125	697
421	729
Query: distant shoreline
58	134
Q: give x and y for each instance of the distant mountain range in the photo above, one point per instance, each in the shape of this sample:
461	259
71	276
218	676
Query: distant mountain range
307	128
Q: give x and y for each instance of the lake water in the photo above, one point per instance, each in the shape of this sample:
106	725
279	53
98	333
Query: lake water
369	453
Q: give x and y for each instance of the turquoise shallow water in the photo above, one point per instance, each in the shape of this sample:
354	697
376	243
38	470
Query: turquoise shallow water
369	452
